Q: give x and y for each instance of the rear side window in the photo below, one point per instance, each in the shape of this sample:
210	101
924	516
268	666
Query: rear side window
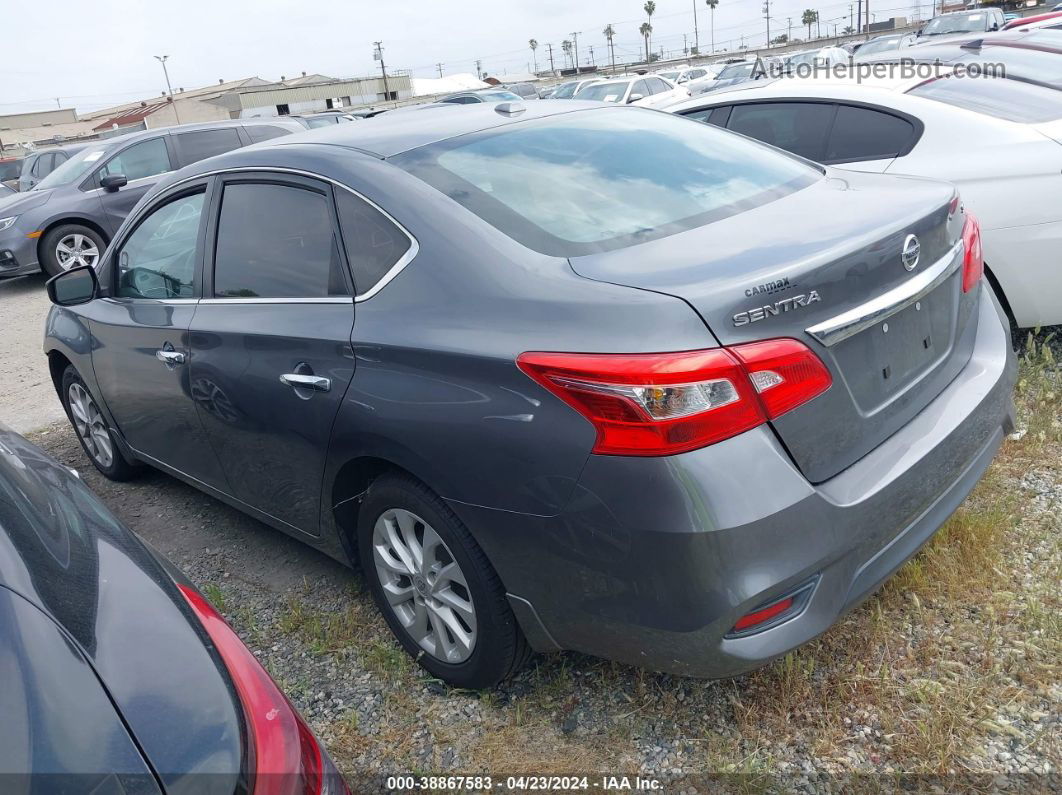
373	243
276	241
598	180
201	144
1003	98
144	159
798	127
866	134
656	85
264	132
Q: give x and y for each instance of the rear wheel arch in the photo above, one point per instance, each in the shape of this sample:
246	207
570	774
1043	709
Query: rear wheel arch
351	482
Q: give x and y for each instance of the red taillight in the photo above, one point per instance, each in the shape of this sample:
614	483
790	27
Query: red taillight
653	404
763	615
784	373
286	757
973	263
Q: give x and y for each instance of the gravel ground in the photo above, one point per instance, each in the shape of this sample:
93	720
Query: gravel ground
27	398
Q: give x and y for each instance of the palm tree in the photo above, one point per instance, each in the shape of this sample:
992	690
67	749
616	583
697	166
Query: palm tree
809	18
712	4
650	9
645	30
567	47
609	32
533	44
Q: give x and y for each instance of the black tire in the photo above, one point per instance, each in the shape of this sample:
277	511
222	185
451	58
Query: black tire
117	468
50	262
500	649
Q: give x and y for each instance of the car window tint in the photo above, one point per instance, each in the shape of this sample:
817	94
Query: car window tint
704	114
321	121
201	144
657	86
1000	97
604	92
144	159
37	169
640	87
865	134
264	132
276	241
797	127
580	183
373	243
158	259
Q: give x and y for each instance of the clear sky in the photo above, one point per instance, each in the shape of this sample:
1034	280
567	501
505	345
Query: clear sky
99	53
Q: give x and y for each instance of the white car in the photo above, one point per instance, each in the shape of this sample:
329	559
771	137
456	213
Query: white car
998	140
960	24
684	74
824	56
651	91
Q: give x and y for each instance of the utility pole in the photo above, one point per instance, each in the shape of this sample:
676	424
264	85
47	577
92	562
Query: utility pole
551	68
788	30
859	17
685	45
696	34
592	61
479	69
851	17
162	60
58	104
378	56
439	67
767	16
868	20
575	44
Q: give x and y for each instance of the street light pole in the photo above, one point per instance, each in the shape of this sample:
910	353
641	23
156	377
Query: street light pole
378	55
162	60
696	34
575	43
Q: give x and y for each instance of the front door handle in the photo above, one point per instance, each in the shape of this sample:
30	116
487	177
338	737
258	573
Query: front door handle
170	358
298	381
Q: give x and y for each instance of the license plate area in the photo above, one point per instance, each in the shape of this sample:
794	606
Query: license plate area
883	361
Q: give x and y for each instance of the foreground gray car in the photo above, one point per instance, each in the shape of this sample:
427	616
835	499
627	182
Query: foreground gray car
68	218
560	376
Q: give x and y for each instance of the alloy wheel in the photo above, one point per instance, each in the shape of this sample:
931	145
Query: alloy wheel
75	250
90	425
424	585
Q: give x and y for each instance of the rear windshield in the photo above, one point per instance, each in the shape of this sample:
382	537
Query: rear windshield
598	180
1035	66
999	97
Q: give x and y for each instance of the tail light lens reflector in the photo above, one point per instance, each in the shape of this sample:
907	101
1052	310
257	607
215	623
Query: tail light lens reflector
664	403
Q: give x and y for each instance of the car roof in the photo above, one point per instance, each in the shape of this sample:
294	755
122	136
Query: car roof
393	133
119	140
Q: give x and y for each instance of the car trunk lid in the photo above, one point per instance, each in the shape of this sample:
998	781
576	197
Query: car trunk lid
824	266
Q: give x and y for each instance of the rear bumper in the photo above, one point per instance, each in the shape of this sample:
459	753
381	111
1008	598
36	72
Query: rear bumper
654	560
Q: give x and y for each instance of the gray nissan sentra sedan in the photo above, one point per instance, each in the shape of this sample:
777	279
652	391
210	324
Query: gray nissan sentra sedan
557	376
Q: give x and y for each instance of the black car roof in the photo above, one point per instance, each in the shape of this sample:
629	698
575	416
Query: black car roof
393	133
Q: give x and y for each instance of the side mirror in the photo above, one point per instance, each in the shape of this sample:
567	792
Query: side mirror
995	26
635	98
75	286
113	182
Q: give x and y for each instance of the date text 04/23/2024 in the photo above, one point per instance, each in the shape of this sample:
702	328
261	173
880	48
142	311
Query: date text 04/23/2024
523	783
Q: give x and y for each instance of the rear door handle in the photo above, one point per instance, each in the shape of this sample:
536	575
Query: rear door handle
298	381
170	358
